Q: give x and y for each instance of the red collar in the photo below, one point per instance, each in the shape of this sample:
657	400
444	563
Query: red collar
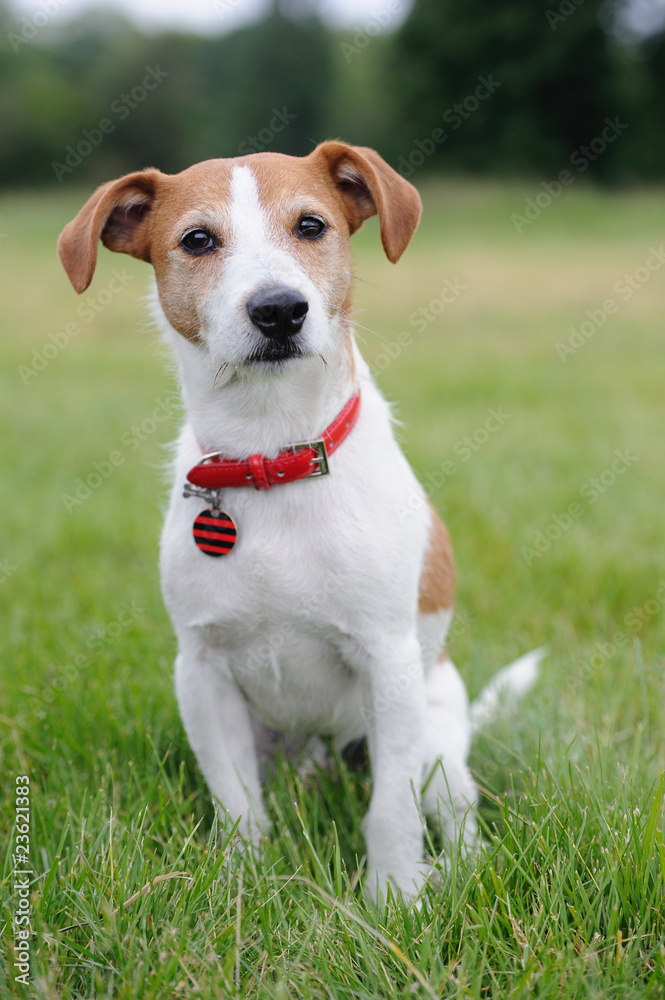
298	461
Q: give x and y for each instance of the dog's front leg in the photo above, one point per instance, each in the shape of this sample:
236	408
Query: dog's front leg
218	726
395	707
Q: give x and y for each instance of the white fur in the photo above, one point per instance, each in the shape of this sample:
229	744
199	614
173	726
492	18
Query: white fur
310	625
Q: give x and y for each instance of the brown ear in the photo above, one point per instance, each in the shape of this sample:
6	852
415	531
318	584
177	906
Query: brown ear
368	186
118	213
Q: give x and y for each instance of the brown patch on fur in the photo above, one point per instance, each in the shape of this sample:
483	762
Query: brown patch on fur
196	198
118	212
144	215
437	579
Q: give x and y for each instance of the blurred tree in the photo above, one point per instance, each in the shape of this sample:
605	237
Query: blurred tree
554	75
463	85
263	87
641	72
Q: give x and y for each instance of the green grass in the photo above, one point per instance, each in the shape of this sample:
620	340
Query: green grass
568	897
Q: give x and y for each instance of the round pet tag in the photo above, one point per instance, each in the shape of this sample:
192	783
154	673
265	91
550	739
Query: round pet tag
215	533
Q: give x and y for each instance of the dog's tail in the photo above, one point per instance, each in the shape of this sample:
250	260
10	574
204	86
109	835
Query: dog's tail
505	689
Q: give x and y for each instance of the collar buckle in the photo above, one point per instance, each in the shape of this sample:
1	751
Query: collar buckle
320	462
210	456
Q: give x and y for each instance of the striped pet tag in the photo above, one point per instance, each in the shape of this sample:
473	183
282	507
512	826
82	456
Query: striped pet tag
215	534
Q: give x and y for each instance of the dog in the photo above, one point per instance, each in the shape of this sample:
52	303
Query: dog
309	580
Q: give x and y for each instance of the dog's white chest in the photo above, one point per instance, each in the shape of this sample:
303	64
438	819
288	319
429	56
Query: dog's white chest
296	682
316	569
277	608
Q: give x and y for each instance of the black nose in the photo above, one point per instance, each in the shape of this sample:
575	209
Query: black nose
277	312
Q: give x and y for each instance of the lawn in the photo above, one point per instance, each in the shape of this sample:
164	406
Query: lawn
527	373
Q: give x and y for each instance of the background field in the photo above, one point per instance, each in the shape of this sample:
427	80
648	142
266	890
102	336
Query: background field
568	899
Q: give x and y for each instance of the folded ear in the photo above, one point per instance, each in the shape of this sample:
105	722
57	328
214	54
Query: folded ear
368	186
118	213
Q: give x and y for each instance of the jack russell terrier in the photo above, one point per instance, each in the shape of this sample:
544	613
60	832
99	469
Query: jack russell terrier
302	601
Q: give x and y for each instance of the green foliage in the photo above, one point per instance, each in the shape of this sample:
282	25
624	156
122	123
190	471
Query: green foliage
137	892
555	84
559	77
216	97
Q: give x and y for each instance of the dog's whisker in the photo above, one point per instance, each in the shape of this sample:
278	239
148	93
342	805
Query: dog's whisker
369	330
364	281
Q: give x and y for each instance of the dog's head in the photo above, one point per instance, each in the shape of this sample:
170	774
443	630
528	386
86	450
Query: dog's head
250	254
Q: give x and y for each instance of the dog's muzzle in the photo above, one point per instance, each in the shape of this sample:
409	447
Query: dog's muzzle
279	312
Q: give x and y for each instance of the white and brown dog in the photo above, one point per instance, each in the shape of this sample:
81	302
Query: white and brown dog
302	601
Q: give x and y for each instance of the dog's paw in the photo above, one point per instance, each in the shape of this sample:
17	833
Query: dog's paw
407	880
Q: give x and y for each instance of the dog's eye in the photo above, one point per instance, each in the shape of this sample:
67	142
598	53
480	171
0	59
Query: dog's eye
198	241
311	227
